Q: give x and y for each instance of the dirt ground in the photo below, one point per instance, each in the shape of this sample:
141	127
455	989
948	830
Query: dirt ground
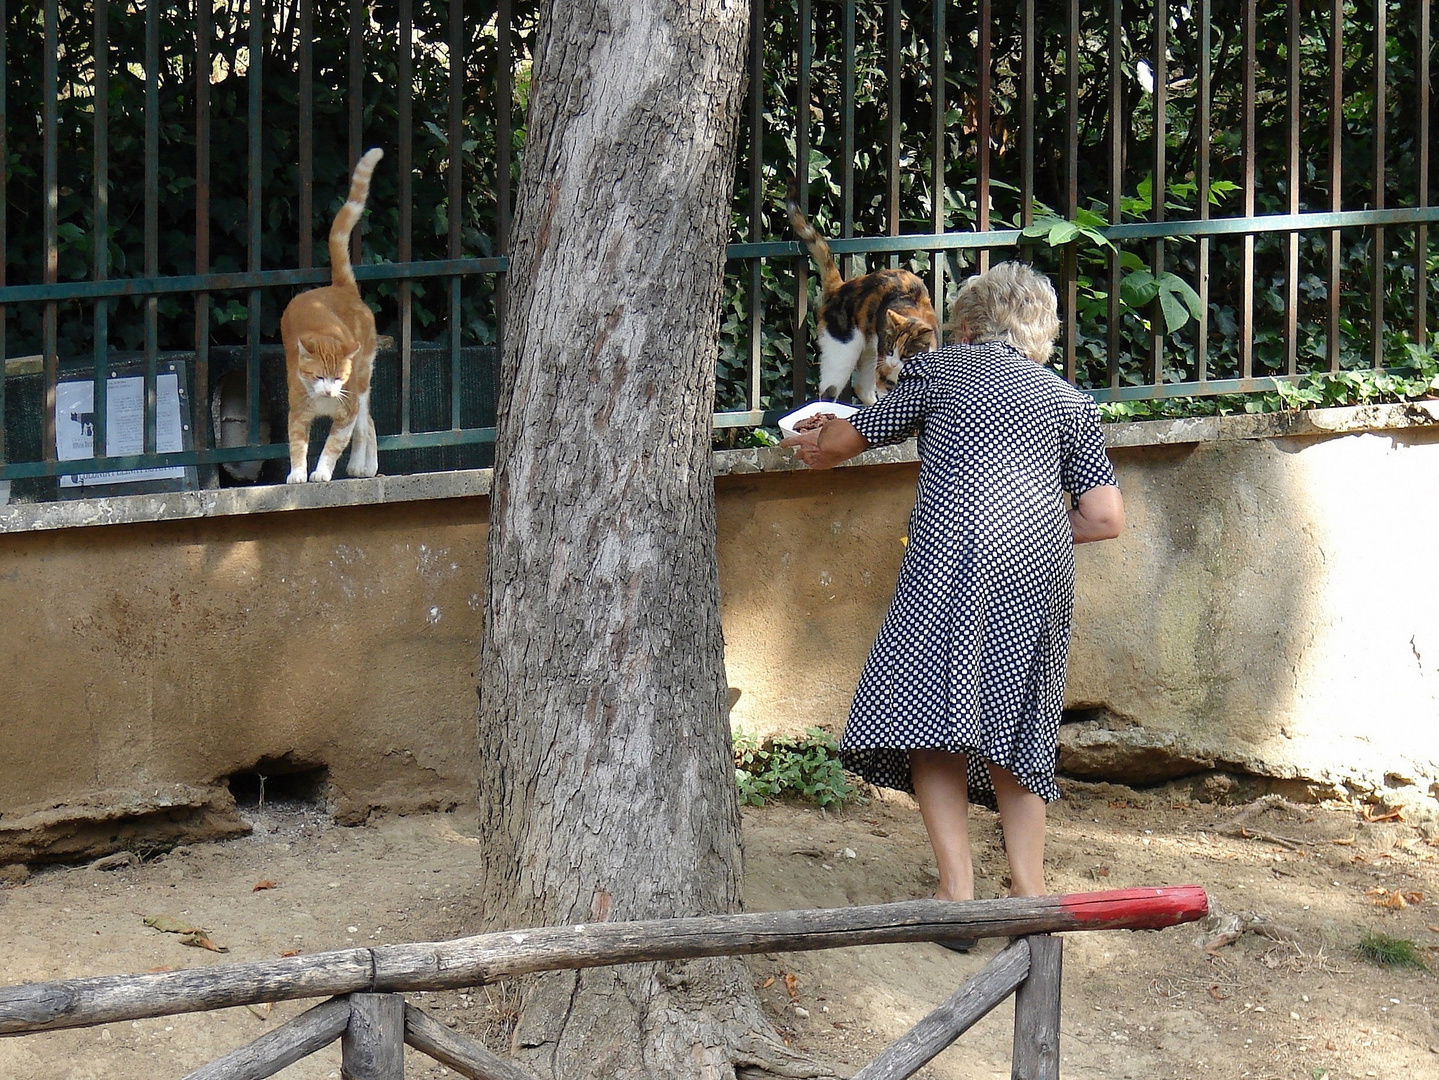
1154	1005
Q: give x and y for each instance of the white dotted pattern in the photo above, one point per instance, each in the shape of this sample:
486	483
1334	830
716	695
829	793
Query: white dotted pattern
971	656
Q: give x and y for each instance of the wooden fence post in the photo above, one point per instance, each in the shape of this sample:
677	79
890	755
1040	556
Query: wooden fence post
1036	1012
373	1046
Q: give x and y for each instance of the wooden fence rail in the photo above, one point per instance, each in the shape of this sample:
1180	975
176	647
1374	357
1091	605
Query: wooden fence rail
372	1020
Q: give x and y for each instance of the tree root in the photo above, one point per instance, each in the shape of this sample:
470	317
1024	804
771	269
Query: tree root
1225	928
758	1055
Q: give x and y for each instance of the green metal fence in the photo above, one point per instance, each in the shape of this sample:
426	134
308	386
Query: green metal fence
1253	185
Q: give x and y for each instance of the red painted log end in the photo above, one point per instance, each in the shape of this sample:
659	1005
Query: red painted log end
1136	909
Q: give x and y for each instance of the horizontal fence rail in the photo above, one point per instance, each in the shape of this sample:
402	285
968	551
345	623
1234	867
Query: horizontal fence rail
372	1020
1229	198
475	961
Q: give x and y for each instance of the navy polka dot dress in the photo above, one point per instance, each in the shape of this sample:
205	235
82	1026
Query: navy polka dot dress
971	656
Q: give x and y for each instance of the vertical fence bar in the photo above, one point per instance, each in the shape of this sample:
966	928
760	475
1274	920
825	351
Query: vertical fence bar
893	30
1381	110
1117	125
756	201
1246	304
1036	1012
306	71
986	30
99	425
1157	323
455	192
799	375
405	54
1421	234
1202	124
1070	270
1336	170
152	212
505	94
200	400
373	1045
254	79
937	170
846	130
359	17
1293	240
4	198
1026	115
50	224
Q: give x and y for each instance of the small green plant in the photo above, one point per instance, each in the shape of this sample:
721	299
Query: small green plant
1389	951
803	768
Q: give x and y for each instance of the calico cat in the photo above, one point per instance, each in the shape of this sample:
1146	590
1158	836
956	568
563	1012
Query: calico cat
329	336
869	325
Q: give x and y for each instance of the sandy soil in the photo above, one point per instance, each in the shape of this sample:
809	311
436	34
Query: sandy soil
1152	1004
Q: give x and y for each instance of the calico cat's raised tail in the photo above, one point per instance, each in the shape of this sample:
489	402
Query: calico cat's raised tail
329	336
869	325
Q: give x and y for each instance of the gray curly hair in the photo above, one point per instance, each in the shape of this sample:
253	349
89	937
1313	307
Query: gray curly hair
1010	302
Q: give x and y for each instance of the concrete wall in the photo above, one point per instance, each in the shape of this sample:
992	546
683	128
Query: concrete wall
1270	610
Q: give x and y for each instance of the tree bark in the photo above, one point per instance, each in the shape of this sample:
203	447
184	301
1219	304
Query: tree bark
606	779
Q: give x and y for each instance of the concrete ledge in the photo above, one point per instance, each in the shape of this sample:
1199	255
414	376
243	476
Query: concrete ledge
1354	418
223	502
226	502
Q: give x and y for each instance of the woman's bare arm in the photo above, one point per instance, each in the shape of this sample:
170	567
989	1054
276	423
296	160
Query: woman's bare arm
1098	515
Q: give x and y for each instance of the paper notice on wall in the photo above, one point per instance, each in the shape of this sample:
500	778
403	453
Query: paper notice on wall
124	430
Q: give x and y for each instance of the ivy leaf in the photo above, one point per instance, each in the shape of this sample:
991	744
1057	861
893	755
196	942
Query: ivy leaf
1175	313
1138	288
1062	232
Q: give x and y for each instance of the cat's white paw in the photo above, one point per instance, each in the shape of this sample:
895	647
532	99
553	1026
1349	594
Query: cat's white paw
365	468
321	473
297	476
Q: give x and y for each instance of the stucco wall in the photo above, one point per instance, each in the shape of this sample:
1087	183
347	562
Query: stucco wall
146	662
1268	610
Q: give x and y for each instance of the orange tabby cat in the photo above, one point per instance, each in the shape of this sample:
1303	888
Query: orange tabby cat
329	336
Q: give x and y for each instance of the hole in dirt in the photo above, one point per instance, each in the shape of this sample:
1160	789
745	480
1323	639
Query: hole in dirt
280	782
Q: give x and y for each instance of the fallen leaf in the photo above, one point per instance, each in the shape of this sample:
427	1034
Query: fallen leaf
168	925
767	983
1434	928
200	941
1377	890
158	970
812	852
1346	843
290	952
260	886
1392	815
263	1014
1217	994
1414	897
791	984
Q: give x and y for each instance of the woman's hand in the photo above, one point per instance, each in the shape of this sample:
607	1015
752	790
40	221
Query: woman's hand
825	447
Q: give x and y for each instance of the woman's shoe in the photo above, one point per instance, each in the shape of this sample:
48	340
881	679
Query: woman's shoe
958	944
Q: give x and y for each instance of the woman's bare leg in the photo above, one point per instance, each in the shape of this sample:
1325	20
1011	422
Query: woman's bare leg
942	788
1021	813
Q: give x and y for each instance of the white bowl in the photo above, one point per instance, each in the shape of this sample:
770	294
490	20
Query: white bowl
789	420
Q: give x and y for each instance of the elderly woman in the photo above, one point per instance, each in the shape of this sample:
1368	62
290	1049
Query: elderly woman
960	699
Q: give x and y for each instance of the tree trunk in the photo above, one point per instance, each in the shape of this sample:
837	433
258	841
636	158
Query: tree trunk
606	779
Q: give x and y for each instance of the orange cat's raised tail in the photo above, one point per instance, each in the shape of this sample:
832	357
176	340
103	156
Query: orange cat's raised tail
329	336
341	273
